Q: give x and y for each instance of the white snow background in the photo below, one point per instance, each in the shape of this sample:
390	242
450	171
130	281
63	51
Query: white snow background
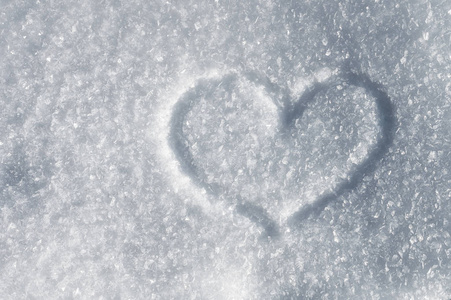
94	202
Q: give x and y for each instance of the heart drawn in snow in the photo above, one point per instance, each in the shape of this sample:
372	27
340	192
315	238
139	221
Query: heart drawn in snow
277	156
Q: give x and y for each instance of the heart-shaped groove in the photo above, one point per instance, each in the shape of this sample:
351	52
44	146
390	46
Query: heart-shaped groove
289	112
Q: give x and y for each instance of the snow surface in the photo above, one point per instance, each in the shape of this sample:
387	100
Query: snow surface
225	149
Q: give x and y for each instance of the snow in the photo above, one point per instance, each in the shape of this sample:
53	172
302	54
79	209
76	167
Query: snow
225	150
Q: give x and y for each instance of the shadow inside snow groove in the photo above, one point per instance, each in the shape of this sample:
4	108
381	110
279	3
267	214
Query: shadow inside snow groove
290	113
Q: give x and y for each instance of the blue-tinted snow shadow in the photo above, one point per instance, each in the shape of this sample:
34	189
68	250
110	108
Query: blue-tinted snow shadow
20	179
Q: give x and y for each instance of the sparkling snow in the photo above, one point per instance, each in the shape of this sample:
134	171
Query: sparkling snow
225	149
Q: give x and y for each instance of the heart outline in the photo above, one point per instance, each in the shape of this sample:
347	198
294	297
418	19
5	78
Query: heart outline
290	112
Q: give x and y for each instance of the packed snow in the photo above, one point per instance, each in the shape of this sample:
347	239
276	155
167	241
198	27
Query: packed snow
225	149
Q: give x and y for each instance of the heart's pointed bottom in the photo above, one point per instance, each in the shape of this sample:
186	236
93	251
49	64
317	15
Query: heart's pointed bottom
259	216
